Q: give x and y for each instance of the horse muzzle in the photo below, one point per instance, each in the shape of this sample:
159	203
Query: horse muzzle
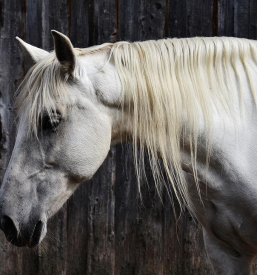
30	235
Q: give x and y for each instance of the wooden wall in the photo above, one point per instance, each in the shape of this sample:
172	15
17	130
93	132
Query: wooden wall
105	228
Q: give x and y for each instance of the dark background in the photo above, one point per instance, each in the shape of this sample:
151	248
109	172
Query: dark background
105	228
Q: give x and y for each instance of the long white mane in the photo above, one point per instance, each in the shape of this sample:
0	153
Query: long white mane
169	86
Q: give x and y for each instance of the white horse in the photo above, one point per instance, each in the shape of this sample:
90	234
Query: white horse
188	103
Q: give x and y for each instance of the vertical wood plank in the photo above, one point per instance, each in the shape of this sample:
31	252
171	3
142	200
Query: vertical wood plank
91	209
190	18
183	243
253	20
104	22
34	22
242	16
234	18
184	251
42	17
78	205
142	20
226	18
91	223
12	16
53	251
138	223
80	27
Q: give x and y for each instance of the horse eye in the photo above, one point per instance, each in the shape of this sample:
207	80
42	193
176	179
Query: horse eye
51	122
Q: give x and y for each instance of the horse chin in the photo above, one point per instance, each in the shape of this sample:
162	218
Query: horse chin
38	234
22	243
18	242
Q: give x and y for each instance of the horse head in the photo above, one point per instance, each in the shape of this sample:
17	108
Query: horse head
67	106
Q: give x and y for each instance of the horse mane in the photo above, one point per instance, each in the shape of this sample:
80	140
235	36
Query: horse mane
169	85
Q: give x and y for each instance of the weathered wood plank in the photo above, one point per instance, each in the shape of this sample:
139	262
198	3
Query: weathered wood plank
34	18
44	16
190	18
91	209
241	18
253	20
234	17
138	223
103	22
141	20
78	205
41	17
53	251
80	27
173	259
226	18
185	253
91	223
12	16
183	245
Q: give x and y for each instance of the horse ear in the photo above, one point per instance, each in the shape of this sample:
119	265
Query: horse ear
33	54
64	51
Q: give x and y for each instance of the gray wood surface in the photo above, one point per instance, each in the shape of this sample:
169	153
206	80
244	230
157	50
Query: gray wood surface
105	228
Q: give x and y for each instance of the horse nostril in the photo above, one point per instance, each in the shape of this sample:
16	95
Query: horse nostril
37	234
9	228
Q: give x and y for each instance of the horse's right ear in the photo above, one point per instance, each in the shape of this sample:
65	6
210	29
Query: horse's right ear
64	52
33	54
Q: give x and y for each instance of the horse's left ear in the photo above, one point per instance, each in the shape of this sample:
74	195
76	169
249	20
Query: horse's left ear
32	54
64	52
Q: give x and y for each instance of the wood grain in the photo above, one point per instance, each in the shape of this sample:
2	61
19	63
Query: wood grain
12	260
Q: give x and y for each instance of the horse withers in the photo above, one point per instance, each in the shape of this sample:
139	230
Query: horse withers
189	103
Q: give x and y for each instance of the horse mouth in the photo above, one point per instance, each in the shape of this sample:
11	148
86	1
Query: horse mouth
37	235
32	240
17	242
